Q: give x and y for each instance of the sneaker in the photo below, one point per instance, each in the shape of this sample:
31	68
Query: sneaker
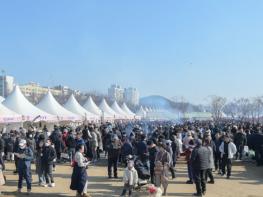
19	191
211	182
228	177
52	185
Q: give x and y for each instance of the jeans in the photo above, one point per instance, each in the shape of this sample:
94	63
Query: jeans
71	153
48	168
200	182
113	162
209	173
218	161
226	163
24	173
127	187
240	149
190	171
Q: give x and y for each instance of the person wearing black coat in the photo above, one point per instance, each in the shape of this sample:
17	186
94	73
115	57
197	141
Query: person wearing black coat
71	145
152	156
200	162
240	141
113	156
49	154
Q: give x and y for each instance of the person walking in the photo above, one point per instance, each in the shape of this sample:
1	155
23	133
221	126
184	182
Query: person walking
200	162
228	150
162	165
113	156
49	154
79	178
25	156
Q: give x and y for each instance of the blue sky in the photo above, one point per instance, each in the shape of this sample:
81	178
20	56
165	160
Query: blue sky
190	48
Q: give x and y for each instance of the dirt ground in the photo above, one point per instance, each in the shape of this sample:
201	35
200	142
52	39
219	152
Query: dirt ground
247	181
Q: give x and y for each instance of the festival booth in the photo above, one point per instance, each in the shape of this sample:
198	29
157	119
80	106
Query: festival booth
17	102
49	104
9	119
141	113
73	106
108	114
119	111
1	99
92	107
131	115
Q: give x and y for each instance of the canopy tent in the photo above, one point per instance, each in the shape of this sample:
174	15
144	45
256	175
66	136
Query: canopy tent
92	107
107	112
50	105
141	112
8	116
118	110
127	110
17	102
73	106
1	99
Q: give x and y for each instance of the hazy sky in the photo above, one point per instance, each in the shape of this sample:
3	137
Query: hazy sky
190	48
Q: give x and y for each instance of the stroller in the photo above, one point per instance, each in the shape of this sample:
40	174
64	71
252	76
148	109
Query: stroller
143	172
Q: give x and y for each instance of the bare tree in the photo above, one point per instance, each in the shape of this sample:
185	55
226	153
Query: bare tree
244	108
217	104
231	109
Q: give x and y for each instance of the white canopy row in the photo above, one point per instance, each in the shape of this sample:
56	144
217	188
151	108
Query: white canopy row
16	108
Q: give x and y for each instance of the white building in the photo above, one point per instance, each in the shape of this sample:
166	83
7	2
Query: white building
131	96
7	84
116	93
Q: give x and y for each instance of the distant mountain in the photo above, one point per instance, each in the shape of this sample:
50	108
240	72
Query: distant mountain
161	102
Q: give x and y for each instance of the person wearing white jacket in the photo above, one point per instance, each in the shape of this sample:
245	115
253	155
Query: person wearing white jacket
228	150
130	178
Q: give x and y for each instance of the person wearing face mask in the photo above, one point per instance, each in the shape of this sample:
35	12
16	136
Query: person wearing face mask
130	178
25	156
39	154
49	154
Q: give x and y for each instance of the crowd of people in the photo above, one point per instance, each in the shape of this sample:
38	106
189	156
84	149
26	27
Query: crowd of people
149	151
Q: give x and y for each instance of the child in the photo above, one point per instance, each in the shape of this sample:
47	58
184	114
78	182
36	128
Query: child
130	178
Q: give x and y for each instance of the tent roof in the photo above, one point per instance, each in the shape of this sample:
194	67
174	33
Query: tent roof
118	110
92	107
105	108
141	112
127	110
1	99
7	115
17	102
73	106
50	105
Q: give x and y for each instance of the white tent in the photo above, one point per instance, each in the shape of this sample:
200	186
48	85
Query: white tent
92	107
17	102
107	112
49	104
73	106
1	99
141	112
118	110
8	116
127	110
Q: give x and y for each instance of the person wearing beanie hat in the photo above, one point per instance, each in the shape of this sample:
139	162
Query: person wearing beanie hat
25	156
